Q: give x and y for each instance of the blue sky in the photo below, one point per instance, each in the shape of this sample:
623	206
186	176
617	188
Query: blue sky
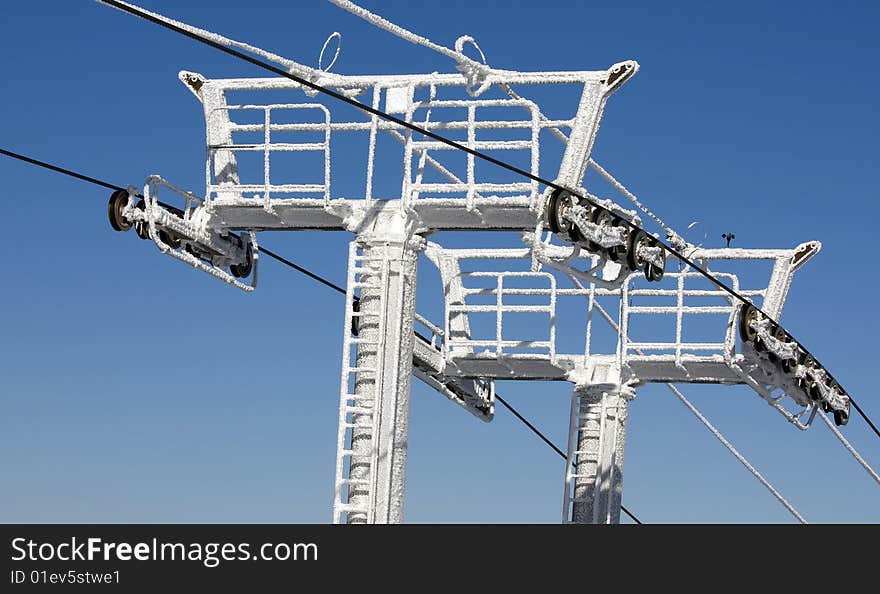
134	389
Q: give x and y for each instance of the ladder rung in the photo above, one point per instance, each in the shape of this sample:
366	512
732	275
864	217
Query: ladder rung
347	507
361	397
351	481
359	410
363	314
361	370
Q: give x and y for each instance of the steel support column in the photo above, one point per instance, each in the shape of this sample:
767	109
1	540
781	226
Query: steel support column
386	276
594	468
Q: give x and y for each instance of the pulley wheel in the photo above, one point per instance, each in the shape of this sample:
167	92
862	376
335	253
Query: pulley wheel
118	202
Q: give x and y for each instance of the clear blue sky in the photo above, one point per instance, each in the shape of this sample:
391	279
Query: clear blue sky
135	389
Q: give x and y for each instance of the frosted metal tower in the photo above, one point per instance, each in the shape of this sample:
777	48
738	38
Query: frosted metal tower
281	157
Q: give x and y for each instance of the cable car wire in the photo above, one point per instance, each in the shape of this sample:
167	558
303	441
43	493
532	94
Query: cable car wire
135	11
286	262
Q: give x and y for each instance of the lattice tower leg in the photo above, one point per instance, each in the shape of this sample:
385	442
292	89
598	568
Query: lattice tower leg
594	469
374	417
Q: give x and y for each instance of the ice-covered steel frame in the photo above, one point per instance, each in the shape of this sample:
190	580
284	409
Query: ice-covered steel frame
371	449
390	228
683	299
456	360
183	233
462	200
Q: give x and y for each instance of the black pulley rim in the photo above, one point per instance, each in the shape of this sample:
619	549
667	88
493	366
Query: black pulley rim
563	203
636	240
653	272
558	203
600	216
244	270
118	202
747	314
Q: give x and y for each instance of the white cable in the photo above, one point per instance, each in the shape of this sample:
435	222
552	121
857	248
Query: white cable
674	238
291	66
474	71
737	455
377	21
849	447
717	434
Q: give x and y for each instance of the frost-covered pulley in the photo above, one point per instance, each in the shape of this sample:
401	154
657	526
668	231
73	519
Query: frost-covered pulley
618	252
748	316
653	270
638	257
558	206
601	218
784	358
142	227
605	255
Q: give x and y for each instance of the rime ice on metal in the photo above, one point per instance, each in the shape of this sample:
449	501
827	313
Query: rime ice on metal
268	167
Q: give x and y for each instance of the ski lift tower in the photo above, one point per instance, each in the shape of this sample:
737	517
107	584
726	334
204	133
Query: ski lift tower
581	251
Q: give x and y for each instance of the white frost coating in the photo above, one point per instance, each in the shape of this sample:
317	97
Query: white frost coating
783	350
721	438
604	235
474	71
335	35
459	199
679	359
594	462
291	66
374	392
225	187
216	250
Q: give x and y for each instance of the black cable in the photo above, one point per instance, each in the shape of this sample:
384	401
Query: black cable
259	63
308	273
864	416
285	261
534	429
57	169
546	440
379	113
109	186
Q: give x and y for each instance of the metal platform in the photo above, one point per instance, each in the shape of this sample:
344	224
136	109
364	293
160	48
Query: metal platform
275	150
